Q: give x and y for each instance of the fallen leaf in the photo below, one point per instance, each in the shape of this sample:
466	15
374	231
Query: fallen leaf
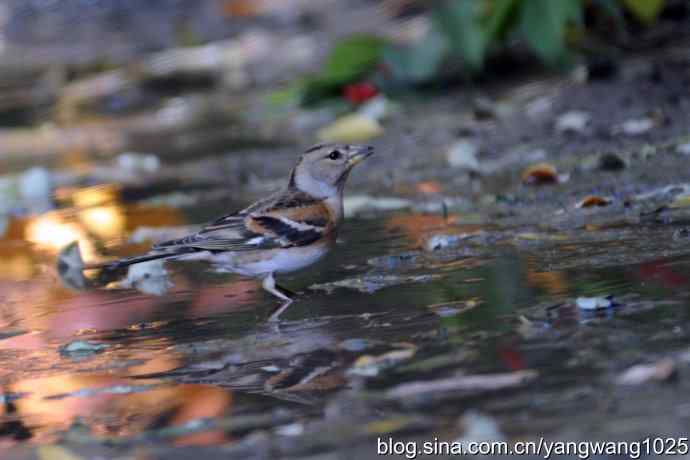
428	187
645	10
555	283
681	201
484	382
371	366
388	425
241	8
642	373
540	174
591	201
454	308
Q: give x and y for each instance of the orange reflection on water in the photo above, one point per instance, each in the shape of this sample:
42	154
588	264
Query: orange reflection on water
17	262
116	406
419	227
97	217
554	283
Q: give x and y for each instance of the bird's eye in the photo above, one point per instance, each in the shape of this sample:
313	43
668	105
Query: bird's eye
334	155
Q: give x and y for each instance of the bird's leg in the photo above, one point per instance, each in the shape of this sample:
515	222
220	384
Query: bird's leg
269	284
286	291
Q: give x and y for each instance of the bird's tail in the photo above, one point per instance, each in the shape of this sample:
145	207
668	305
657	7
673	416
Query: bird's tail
127	261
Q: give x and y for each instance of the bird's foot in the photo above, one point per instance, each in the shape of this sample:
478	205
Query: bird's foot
269	284
275	316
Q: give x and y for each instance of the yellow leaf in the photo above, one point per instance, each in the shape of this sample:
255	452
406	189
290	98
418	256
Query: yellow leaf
52	452
350	128
645	10
681	201
388	425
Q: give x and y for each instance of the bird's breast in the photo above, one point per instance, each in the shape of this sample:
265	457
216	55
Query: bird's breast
282	260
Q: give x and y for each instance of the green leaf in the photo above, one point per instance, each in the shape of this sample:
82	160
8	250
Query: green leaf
349	60
288	96
543	24
459	20
645	10
499	18
417	63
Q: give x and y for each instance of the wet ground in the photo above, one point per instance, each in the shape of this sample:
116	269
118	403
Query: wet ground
469	297
392	341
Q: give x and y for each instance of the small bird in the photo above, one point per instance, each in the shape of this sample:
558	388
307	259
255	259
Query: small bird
284	232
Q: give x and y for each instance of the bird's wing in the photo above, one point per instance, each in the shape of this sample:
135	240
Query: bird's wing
284	220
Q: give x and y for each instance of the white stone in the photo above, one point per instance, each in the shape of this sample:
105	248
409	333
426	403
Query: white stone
683	149
637	126
575	121
593	303
463	154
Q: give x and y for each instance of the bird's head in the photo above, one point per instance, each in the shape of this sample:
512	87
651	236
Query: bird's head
323	169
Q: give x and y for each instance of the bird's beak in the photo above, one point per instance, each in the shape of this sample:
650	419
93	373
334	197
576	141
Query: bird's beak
360	154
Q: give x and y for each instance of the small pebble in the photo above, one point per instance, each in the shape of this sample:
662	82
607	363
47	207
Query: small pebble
611	162
463	154
355	344
575	121
539	107
80	348
683	149
138	162
436	242
637	126
593	303
293	429
681	234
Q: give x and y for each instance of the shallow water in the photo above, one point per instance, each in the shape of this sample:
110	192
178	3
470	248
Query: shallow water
152	365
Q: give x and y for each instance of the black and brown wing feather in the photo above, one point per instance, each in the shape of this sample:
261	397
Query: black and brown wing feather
285	220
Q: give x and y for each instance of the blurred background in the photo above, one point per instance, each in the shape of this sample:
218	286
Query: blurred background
530	153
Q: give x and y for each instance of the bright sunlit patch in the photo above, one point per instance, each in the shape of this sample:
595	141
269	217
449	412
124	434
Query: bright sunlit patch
104	221
94	196
53	232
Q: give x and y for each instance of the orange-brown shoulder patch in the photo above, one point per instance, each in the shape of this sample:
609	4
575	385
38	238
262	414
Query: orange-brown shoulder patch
316	214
